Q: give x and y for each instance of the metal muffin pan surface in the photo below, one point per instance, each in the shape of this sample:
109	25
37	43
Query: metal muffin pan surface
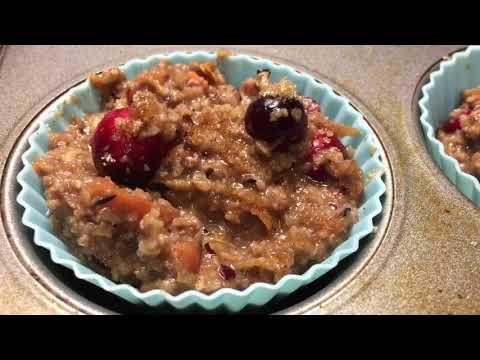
422	259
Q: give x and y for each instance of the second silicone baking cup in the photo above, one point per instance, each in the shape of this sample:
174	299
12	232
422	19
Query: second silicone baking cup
236	69
440	96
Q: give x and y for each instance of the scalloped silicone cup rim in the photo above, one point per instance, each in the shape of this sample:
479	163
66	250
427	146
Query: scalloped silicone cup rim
429	130
231	298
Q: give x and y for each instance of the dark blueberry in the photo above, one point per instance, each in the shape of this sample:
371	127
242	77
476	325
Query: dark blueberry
271	118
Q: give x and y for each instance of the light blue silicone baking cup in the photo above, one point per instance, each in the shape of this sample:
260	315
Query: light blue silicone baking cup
440	96
236	69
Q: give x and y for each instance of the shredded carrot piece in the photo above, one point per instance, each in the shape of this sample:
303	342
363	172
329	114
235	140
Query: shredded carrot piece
188	255
123	201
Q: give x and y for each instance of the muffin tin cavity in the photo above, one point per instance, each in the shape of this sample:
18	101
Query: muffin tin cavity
64	284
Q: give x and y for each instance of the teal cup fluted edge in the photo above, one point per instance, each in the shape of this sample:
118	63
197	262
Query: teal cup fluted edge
236	69
441	95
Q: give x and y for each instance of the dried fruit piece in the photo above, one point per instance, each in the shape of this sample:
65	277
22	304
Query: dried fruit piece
226	272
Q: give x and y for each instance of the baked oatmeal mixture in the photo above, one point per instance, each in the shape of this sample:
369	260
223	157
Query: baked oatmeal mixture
184	182
460	134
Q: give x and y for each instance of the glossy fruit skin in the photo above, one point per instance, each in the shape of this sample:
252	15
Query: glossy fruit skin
290	127
226	272
321	142
128	160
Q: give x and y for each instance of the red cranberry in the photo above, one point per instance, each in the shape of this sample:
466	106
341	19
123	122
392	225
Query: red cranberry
270	118
451	125
321	142
126	159
226	272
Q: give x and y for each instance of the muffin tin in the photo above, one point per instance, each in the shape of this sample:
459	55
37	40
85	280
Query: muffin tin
416	262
